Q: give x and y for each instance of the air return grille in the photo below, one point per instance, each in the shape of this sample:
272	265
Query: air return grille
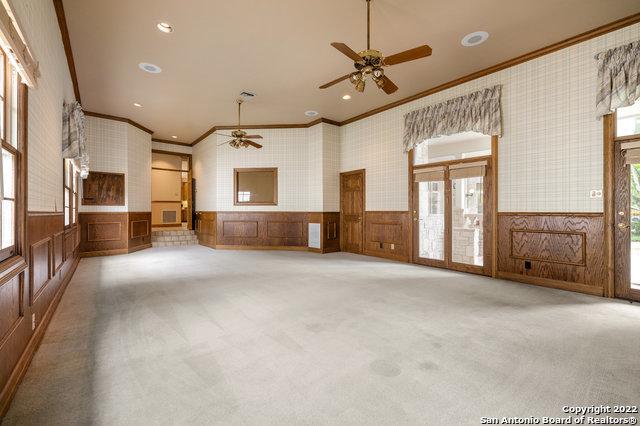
168	216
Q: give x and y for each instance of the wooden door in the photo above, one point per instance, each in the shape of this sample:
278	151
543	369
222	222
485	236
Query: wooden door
352	196
627	226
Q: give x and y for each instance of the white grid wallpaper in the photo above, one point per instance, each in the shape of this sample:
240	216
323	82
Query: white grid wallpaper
285	149
204	172
139	169
315	167
550	155
331	168
108	152
39	22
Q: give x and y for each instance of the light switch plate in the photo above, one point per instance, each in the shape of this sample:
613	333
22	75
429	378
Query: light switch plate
595	193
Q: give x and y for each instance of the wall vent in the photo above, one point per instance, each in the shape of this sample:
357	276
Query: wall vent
169	216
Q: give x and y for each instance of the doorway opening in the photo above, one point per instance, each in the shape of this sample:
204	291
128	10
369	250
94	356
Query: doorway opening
171	190
453	202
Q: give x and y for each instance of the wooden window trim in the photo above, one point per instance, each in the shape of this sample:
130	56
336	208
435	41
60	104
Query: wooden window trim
16	260
274	202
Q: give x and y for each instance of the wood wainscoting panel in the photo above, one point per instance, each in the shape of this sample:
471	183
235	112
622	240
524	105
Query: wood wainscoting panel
58	251
388	234
40	267
11	307
103	233
561	250
330	232
262	229
206	228
139	231
33	293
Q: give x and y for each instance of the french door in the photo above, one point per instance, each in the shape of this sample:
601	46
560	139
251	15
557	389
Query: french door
452	214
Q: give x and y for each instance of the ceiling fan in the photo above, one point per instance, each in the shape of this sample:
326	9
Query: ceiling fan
240	137
371	62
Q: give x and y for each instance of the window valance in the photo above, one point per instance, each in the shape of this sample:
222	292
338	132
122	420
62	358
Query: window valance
15	46
476	112
618	78
73	137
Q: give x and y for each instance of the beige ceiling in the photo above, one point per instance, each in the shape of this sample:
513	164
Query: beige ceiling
280	50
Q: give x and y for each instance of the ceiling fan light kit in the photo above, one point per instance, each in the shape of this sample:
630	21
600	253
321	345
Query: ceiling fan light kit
370	62
240	137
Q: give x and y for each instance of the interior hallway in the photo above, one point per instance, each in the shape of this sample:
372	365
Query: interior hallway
197	336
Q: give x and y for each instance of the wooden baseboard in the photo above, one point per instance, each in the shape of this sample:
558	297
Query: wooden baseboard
283	248
21	367
104	253
138	248
545	282
206	244
386	255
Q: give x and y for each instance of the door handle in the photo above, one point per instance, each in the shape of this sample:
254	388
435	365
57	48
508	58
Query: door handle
623	225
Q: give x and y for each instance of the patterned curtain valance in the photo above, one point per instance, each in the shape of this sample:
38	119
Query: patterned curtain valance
618	78
73	137
476	112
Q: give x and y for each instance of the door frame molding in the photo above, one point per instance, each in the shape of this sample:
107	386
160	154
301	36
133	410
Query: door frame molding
612	288
493	269
190	212
364	206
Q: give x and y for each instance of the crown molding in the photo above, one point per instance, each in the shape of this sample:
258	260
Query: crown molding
116	118
66	41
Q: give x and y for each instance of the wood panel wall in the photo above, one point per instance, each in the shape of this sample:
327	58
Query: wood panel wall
329	231
387	234
33	295
106	233
275	230
139	231
565	250
206	228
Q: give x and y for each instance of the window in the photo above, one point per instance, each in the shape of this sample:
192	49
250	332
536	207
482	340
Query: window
255	187
70	193
628	120
11	157
455	147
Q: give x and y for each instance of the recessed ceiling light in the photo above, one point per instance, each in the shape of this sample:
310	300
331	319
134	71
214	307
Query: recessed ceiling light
175	137
165	27
135	104
346	97
475	38
311	113
151	68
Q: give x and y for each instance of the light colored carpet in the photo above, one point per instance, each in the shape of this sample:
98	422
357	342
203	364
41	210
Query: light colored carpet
189	335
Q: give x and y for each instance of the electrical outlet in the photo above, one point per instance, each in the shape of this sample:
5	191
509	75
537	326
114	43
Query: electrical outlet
33	322
527	264
393	246
595	193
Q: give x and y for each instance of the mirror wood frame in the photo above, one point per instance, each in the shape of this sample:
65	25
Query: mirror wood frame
236	174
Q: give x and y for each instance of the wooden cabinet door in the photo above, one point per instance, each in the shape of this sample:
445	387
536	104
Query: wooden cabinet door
352	196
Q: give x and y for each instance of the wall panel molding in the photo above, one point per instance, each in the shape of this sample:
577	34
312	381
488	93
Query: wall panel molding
387	234
40	267
560	250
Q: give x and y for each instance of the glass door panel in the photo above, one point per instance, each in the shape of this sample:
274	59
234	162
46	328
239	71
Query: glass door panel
431	220
467	241
634	219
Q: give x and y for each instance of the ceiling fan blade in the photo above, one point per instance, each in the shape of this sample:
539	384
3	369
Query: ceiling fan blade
222	134
347	51
336	81
253	137
224	143
408	55
252	143
389	86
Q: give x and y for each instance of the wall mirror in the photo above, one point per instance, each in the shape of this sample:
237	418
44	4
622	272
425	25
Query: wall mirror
255	187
